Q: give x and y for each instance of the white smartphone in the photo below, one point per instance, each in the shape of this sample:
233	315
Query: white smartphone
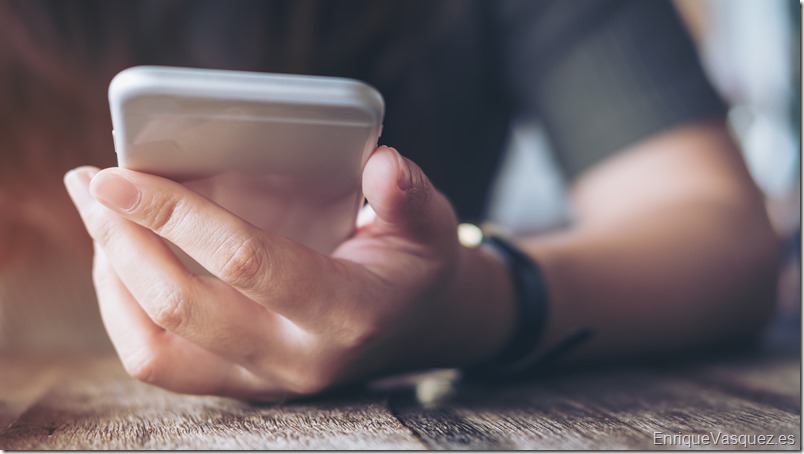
284	152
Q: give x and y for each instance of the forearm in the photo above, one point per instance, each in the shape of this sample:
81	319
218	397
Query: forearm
672	248
670	279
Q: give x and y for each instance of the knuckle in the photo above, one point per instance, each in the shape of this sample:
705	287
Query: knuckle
145	365
243	261
162	217
172	309
310	381
359	336
358	330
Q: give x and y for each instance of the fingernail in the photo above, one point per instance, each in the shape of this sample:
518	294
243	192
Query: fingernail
405	180
115	192
77	183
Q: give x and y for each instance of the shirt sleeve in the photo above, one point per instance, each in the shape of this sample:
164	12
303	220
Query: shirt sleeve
600	74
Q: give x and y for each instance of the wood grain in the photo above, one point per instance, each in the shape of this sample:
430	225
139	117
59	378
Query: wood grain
99	407
775	382
90	403
651	402
526	416
618	409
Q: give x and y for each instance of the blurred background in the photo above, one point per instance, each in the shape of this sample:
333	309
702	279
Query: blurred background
750	49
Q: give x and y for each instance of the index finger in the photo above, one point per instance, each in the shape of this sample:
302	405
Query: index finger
274	271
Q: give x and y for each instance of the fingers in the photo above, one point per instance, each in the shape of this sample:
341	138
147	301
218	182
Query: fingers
404	199
199	309
271	270
274	309
155	356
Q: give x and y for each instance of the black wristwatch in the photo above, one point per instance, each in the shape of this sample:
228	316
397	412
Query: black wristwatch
521	358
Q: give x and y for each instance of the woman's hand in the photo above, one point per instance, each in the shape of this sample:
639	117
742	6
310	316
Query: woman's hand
277	319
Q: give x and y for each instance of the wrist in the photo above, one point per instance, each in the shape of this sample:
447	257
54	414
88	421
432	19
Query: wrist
525	354
481	307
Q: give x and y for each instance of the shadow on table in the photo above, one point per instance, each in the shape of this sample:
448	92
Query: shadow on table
780	344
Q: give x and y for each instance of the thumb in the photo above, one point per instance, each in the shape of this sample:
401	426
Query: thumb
404	199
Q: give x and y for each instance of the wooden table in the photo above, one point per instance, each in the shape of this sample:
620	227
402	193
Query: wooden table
89	402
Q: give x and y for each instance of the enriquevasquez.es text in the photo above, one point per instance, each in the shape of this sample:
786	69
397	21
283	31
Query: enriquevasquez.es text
721	439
